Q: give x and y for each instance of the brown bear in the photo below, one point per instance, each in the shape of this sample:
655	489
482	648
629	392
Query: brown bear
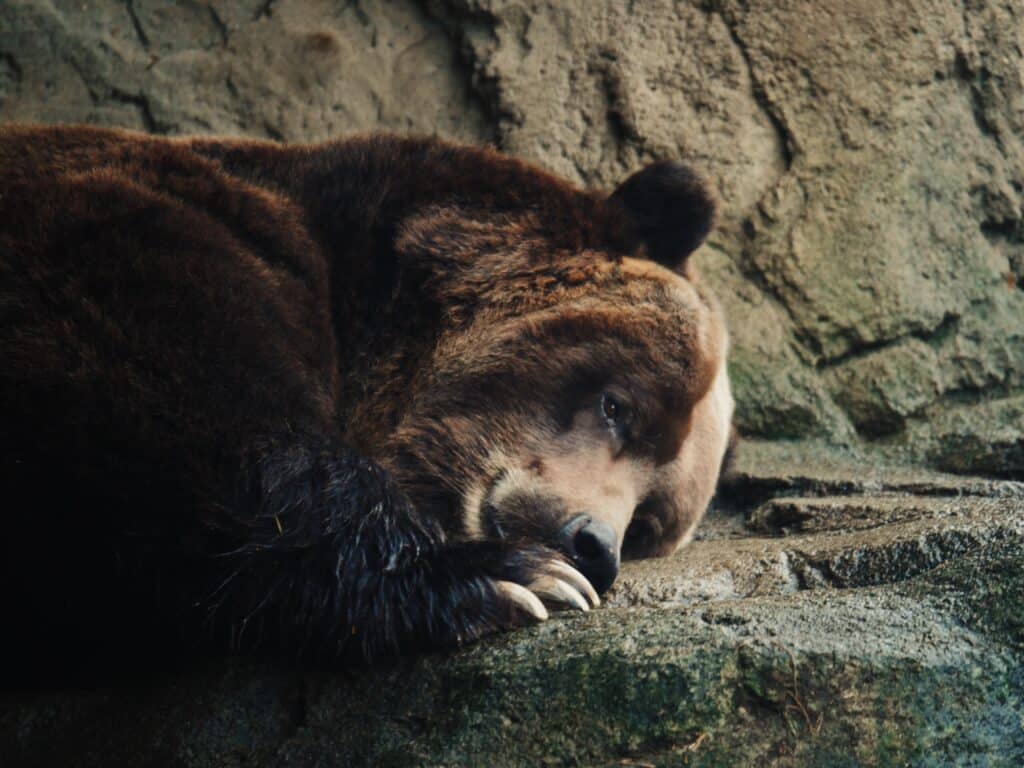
368	396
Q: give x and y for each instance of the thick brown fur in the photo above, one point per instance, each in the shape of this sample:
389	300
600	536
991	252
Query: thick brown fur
246	385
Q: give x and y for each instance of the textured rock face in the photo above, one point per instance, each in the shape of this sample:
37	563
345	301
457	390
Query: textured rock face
868	155
284	70
838	614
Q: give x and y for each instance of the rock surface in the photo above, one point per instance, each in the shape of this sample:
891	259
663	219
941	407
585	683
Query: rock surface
845	614
869	157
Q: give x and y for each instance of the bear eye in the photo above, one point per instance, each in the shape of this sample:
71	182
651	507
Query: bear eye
613	410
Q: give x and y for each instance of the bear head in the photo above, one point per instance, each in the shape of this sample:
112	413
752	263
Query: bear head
577	395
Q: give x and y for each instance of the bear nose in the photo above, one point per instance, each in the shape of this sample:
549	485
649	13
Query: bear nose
594	550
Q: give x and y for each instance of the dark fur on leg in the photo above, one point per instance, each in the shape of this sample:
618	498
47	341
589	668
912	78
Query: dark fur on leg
335	563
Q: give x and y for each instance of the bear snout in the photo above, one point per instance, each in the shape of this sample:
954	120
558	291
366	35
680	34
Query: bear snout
594	550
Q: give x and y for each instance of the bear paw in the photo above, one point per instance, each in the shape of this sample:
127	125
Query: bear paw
548	580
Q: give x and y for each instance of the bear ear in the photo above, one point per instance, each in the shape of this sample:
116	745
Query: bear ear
669	208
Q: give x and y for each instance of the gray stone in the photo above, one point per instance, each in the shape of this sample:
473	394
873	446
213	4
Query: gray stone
984	355
986	438
284	69
881	389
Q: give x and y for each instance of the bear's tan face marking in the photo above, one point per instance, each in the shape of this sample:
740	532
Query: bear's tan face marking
650	479
577	474
683	488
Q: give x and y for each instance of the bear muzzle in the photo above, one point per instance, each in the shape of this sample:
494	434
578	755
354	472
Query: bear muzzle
518	506
594	550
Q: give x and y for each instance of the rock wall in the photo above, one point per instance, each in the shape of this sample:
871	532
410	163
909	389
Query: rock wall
869	158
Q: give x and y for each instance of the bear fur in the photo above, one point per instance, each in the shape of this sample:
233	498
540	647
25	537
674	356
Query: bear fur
259	392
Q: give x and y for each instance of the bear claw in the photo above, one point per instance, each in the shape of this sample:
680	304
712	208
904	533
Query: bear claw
523	599
558	591
567	573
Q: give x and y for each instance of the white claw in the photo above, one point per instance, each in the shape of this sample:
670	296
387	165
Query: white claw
523	599
558	591
576	579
